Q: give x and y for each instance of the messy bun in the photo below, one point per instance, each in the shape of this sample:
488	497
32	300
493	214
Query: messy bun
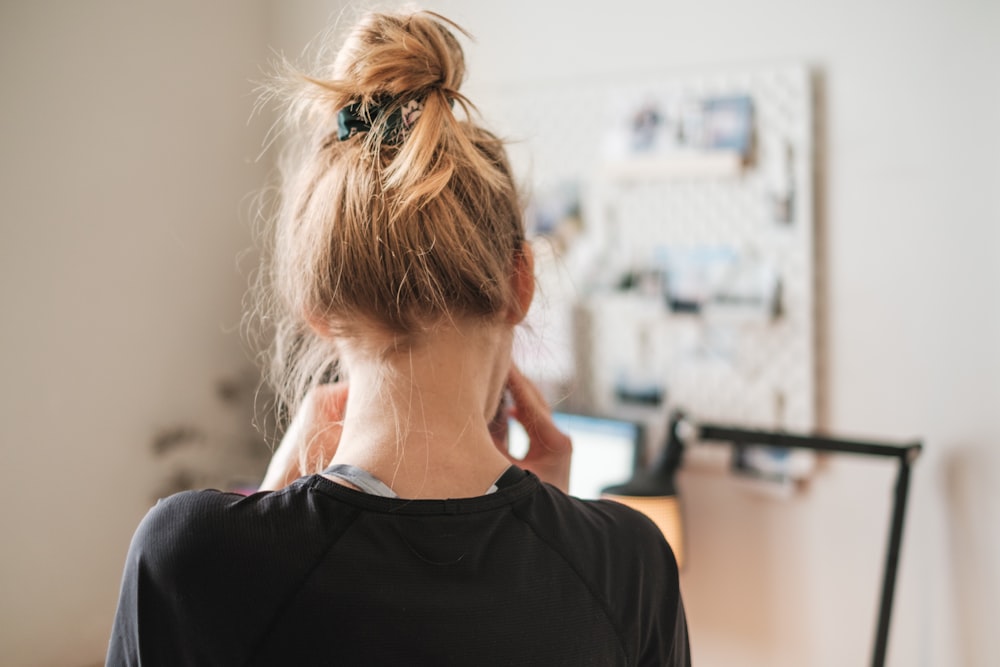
382	234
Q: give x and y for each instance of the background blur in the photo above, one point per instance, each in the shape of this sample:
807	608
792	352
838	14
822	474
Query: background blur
127	175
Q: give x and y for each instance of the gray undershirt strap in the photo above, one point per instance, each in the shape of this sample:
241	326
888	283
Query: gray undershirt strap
369	483
360	478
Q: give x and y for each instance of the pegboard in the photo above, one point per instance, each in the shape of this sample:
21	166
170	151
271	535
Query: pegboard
745	370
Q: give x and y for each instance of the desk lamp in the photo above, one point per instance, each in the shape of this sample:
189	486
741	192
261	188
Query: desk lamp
654	491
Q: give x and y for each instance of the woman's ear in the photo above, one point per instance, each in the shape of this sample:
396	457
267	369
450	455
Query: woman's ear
523	283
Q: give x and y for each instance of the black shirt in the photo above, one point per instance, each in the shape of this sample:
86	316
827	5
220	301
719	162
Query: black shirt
320	574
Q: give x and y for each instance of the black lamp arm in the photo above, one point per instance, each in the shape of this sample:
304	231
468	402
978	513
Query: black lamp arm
819	443
906	453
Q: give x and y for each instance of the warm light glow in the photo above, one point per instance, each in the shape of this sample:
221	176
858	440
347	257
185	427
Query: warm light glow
665	512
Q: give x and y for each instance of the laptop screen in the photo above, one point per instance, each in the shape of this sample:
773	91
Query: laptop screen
605	451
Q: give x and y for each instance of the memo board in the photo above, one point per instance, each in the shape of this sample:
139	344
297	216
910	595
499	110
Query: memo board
718	363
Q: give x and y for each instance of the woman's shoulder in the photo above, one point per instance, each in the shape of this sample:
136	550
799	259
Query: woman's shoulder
213	530
188	516
598	531
604	517
208	569
189	531
623	559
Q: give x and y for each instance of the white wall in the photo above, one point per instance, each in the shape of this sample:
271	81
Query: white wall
909	241
125	166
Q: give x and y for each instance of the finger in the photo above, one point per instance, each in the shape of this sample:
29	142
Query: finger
528	401
533	412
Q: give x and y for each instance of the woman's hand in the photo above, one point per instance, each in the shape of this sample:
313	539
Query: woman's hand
311	438
549	449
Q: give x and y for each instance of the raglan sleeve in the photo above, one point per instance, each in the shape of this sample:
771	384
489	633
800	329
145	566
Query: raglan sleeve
160	614
665	635
630	567
674	625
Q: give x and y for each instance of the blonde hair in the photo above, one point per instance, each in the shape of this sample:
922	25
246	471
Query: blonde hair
375	240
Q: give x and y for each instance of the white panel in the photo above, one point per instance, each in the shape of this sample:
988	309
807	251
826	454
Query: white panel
756	372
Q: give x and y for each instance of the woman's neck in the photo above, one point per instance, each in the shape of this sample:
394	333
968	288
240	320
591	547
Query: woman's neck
418	419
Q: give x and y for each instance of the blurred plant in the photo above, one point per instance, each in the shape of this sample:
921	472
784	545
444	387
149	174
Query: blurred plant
226	449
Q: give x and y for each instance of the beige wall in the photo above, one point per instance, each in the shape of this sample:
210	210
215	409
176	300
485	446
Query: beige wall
125	168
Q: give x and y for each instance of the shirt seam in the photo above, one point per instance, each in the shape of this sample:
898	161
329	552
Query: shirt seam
605	607
294	590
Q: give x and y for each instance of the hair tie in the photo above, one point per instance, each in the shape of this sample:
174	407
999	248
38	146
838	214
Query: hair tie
352	120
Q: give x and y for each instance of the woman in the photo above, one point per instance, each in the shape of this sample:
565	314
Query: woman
400	254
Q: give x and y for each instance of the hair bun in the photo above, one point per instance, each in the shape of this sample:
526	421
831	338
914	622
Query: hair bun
401	57
379	237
